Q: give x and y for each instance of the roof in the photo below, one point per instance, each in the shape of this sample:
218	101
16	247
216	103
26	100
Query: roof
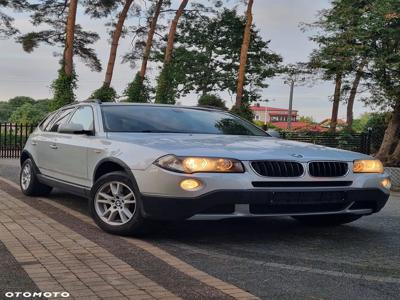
269	108
298	126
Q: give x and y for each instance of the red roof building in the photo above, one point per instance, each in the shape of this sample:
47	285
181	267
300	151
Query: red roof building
269	114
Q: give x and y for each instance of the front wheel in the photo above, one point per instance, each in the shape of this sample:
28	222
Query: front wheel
115	205
327	220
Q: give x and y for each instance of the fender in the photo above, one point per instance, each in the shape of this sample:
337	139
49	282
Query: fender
29	156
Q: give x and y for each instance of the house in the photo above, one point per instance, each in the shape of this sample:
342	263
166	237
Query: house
268	114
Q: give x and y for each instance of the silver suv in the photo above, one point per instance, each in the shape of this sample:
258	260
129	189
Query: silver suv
139	162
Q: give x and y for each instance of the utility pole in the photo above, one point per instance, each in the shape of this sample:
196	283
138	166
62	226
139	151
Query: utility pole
290	105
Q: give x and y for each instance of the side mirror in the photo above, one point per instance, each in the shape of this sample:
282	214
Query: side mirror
73	128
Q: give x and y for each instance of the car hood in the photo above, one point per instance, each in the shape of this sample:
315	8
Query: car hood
234	146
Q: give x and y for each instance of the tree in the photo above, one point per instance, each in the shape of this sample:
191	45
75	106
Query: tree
106	93
295	75
207	54
27	114
341	52
68	58
64	32
7	28
244	54
137	88
380	29
165	93
212	100
8	107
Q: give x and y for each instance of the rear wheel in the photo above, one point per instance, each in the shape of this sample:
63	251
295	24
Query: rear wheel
29	182
115	205
327	220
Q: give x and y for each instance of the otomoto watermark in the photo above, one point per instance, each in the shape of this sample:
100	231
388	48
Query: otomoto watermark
38	295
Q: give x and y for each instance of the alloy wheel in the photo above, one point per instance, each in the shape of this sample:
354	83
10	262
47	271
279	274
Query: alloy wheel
115	203
26	176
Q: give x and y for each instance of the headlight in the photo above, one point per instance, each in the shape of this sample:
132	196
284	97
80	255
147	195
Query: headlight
368	166
199	164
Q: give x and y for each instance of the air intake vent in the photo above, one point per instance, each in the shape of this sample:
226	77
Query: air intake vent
328	168
271	168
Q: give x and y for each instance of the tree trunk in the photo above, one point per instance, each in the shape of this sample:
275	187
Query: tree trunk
115	41
243	54
394	159
353	93
391	135
150	36
69	41
172	32
336	101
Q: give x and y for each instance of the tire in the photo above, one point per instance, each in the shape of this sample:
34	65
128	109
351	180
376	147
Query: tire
108	206
327	220
29	182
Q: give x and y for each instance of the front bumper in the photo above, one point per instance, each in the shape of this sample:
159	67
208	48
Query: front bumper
261	202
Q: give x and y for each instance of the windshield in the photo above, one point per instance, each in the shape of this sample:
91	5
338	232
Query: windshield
158	119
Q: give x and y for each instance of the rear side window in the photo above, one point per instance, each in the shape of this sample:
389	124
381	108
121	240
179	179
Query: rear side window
61	118
83	116
45	123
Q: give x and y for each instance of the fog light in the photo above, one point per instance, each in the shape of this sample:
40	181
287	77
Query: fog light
190	184
386	183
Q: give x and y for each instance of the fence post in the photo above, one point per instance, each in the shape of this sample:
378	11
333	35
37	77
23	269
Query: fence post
368	141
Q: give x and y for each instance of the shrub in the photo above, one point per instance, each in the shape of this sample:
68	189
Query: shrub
166	90
243	111
105	94
63	89
138	90
211	100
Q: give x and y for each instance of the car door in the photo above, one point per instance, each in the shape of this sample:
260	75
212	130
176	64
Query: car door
72	149
46	143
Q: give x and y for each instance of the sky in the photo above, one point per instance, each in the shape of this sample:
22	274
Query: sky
23	74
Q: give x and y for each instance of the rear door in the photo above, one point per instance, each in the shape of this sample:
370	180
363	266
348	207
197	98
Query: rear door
72	149
46	143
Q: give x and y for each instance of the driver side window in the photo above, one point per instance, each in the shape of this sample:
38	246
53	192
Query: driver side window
83	116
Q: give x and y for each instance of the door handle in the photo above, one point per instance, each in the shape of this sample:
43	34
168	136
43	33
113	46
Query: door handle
53	146
34	143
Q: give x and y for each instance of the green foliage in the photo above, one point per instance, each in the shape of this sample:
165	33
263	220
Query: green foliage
27	114
7	108
138	90
211	100
359	125
207	54
166	92
105	94
7	27
307	119
378	122
63	89
243	111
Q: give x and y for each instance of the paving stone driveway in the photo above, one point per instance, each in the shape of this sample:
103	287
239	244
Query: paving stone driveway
74	256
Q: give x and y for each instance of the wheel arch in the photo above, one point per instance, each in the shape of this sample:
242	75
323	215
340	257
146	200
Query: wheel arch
111	164
24	156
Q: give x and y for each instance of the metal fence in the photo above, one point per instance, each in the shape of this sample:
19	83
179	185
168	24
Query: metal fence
13	138
358	142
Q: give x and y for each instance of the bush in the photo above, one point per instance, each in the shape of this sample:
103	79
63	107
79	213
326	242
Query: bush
243	111
104	94
211	100
138	90
63	88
